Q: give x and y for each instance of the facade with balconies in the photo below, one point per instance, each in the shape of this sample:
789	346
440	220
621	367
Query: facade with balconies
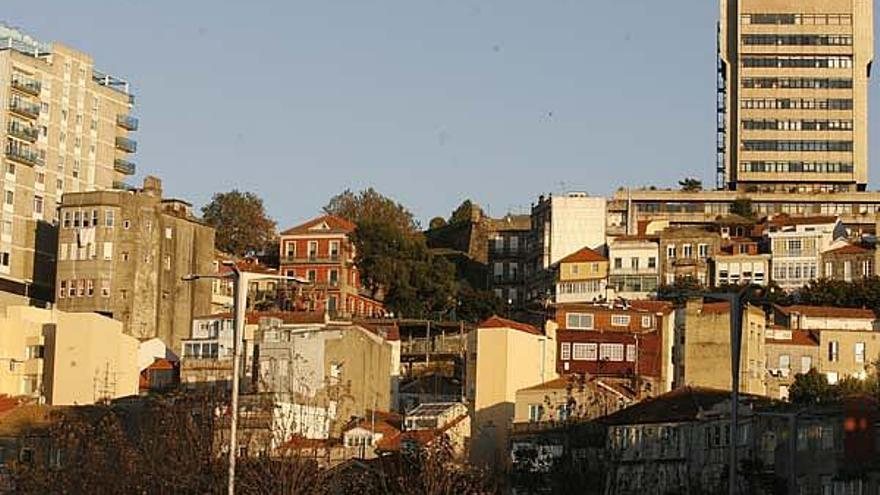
322	252
634	270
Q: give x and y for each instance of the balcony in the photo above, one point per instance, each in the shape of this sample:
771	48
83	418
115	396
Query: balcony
125	144
123	166
127	122
123	186
24	155
312	258
24	108
23	131
26	85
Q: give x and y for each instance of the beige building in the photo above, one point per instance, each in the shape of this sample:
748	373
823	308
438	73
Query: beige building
796	247
65	358
581	277
685	253
65	128
847	353
703	357
634	271
793	94
125	254
503	356
571	397
789	352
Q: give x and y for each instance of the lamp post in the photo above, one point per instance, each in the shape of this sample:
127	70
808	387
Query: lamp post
240	282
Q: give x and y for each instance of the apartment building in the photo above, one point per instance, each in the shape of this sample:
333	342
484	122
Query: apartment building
634	267
740	261
703	352
507	255
503	357
322	252
847	263
125	254
63	358
561	225
789	352
581	277
793	94
629	345
796	245
686	253
65	128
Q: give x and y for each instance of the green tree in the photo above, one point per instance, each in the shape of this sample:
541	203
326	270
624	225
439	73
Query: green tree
691	184
476	305
371	206
437	223
241	222
811	388
743	208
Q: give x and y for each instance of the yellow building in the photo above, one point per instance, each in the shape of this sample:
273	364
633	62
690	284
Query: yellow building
581	277
65	128
503	356
704	358
65	358
847	353
793	91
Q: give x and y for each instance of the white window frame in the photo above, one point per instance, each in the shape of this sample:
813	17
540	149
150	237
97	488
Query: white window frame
620	320
581	317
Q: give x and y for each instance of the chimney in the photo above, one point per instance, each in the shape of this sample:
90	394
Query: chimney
153	186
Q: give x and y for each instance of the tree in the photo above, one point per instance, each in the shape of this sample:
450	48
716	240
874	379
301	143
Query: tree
241	222
464	213
691	184
437	223
811	388
477	305
371	206
743	208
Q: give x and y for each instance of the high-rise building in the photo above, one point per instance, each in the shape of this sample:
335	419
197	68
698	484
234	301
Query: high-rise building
65	128
792	95
125	254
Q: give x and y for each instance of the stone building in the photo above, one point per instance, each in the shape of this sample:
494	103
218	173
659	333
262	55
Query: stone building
125	254
507	253
848	263
686	252
65	128
703	356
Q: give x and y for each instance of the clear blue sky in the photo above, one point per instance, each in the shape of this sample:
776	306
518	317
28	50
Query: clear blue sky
430	102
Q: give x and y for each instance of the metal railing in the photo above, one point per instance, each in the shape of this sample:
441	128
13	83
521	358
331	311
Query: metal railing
24	155
24	108
126	144
21	131
127	122
27	85
124	166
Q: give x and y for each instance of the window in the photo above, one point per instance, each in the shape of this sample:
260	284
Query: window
66	219
105	288
860	352
652	262
535	412
611	352
620	320
108	251
647	321
312	275
169	232
634	263
94	218
582	321
581	351
670	252
806	364
703	251
90	288
333	277
631	353
334	250
565	351
618	263
167	262
4	259
687	251
62	289
109	218
126	224
80	288
290	249
71	288
9	198
784	362
313	250
833	351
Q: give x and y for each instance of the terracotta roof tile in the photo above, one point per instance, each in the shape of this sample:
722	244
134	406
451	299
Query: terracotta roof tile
288	317
583	255
848	249
334	223
827	311
499	322
798	337
653	306
784	220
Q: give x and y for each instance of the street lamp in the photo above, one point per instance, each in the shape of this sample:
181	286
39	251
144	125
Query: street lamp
240	282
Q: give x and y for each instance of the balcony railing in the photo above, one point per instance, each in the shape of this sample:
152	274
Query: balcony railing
123	166
127	122
22	131
118	184
26	84
313	258
24	155
126	144
24	108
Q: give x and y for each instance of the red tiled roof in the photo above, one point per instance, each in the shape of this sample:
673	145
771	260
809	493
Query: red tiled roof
250	266
653	306
716	307
421	437
557	384
782	220
827	311
499	322
161	364
335	224
798	337
583	255
645	238
848	249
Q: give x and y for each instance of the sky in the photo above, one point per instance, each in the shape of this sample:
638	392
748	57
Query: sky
428	101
